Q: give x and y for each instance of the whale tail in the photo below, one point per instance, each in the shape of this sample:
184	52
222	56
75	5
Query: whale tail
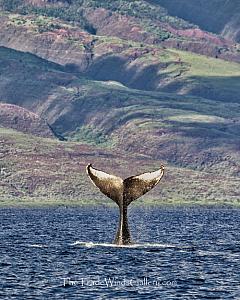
123	192
127	190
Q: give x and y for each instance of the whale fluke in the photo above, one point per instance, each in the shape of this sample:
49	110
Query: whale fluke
109	185
136	186
123	192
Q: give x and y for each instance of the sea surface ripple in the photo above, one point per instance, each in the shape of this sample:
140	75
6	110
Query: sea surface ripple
67	253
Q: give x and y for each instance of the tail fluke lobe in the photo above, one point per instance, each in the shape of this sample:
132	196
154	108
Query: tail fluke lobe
109	185
136	186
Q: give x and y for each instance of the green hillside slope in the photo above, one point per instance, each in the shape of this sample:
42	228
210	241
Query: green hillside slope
189	131
37	171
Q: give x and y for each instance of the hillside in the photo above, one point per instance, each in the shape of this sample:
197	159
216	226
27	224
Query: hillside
21	119
218	16
137	21
188	133
110	79
38	171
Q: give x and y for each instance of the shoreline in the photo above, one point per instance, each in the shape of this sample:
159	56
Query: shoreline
37	203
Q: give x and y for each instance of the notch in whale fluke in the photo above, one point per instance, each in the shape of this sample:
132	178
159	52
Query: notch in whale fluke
123	192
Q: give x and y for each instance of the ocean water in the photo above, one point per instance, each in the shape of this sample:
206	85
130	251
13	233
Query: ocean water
67	253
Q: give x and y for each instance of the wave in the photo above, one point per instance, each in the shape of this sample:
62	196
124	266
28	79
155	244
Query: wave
143	245
37	246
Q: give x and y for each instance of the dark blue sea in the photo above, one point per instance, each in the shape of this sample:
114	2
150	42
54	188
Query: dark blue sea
67	253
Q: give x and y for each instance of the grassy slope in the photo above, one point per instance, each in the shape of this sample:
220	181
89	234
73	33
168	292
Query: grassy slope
145	67
38	171
197	138
181	129
138	21
74	12
208	77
